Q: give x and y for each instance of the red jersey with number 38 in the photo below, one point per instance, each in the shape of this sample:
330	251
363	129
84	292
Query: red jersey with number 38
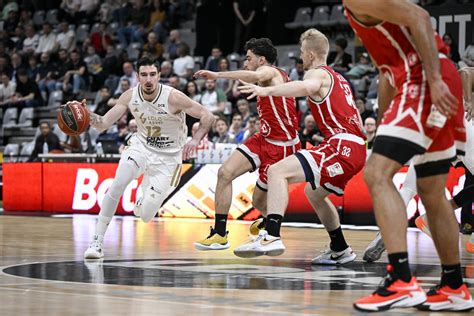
337	112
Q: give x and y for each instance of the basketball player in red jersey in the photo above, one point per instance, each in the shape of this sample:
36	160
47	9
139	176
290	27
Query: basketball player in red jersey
327	167
420	96
278	138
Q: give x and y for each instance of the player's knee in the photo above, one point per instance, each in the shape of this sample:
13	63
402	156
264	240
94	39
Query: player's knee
372	175
225	173
150	206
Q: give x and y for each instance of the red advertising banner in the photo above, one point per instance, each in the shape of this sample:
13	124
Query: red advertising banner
80	188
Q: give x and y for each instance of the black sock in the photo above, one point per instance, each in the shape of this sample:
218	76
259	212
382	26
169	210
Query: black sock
273	224
220	224
465	196
451	275
263	223
399	262
338	243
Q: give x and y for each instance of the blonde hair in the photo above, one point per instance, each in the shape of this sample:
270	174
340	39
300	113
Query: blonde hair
316	42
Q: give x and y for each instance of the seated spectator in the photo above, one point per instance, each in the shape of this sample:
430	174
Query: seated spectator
132	129
33	67
183	66
94	67
46	142
370	128
174	82
16	64
75	11
158	19
76	76
153	48
129	74
122	87
65	38
339	60
137	20
174	42
7	89
212	98
166	71
468	58
25	17
298	72
252	128
223	135
453	47
192	91
243	107
111	65
236	130
44	78
223	83
310	133
364	113
360	69
11	22
11	5
30	43
212	62
27	93
103	106
47	41
101	40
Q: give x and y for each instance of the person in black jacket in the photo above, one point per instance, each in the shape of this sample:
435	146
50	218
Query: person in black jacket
339	60
45	142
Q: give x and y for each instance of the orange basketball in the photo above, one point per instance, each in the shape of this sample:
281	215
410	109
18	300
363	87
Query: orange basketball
73	118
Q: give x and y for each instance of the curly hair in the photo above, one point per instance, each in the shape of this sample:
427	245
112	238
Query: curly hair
262	47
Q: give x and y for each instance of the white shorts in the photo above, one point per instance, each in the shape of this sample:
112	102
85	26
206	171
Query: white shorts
161	170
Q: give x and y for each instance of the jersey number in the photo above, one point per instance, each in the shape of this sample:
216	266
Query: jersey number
346	151
348	94
154	131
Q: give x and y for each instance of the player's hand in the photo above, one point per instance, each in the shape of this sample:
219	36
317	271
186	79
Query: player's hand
443	99
252	89
206	74
189	149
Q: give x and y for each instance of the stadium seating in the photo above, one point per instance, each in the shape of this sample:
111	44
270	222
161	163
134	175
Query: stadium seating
302	16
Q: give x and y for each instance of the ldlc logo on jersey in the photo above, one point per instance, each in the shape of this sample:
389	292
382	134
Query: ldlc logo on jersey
143	119
335	170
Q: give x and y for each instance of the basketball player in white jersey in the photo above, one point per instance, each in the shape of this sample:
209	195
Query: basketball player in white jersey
156	150
465	197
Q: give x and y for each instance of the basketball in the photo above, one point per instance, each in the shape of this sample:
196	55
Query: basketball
73	118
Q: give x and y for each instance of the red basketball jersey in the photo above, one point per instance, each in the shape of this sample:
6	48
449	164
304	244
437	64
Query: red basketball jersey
392	49
337	112
278	116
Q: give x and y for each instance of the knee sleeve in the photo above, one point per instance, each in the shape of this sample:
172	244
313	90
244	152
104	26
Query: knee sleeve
126	172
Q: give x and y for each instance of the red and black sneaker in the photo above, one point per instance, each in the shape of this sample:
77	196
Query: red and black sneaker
391	294
445	298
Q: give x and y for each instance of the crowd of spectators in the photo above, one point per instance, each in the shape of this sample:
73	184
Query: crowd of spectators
38	60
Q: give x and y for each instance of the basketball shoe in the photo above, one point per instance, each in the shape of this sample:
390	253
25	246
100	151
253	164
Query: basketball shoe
213	242
256	227
375	249
422	224
392	293
264	244
331	257
470	244
444	298
95	249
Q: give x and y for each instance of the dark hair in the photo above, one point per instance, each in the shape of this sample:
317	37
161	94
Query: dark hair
195	87
22	72
147	61
299	61
262	47
341	42
183	48
45	122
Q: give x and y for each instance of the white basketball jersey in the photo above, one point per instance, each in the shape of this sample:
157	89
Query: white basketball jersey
158	129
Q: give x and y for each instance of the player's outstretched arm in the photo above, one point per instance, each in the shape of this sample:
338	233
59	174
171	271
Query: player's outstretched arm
178	101
262	74
405	13
308	87
102	123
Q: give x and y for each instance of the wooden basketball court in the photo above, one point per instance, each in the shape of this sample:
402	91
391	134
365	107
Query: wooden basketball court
154	269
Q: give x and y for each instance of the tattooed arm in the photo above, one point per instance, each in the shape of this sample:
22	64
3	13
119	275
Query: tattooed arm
102	123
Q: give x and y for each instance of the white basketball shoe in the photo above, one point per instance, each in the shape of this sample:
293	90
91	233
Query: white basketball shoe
264	244
95	249
331	257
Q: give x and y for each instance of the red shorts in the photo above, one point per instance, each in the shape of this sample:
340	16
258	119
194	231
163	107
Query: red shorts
412	120
333	162
262	153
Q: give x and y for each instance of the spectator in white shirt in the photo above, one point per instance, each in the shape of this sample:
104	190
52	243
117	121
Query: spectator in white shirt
183	66
213	98
7	89
30	43
129	74
65	38
47	41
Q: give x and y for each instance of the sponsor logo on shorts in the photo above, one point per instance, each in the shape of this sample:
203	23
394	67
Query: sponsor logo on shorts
335	170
